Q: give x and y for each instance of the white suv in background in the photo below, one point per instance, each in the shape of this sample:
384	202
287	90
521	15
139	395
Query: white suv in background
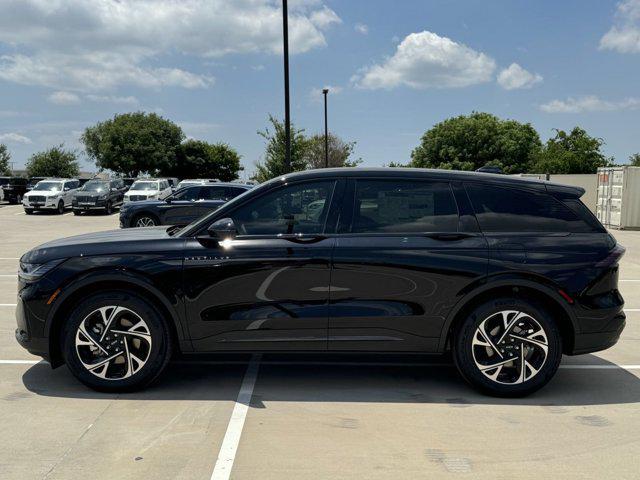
50	194
148	189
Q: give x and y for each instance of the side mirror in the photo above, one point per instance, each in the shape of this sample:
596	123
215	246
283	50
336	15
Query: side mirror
223	229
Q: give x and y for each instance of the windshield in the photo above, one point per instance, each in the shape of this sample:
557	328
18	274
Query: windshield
95	187
48	186
144	186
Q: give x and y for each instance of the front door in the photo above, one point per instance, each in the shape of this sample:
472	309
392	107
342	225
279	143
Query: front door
268	288
405	252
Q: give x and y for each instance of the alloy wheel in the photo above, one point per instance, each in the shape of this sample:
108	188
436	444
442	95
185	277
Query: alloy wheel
145	222
510	347
113	342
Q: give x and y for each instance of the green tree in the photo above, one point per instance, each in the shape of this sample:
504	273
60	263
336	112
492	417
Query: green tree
5	156
635	159
274	162
196	158
339	152
133	143
55	162
575	152
469	142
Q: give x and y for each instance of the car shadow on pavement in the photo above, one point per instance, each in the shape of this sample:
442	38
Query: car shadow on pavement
322	380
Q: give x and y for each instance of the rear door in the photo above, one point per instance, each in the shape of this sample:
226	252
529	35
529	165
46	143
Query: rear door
405	251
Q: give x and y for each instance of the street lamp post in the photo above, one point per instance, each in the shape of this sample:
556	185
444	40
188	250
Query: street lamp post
326	130
287	119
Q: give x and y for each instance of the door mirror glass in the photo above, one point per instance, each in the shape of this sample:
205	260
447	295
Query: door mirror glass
223	229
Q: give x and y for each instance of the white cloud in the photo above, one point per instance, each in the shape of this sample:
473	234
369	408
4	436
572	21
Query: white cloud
316	93
14	138
514	77
80	45
424	60
361	28
589	103
624	35
129	100
64	98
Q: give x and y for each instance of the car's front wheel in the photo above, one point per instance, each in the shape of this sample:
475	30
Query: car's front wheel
508	347
116	342
60	208
145	220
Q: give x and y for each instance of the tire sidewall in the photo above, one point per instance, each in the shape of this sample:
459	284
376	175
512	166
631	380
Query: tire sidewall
146	215
160	344
463	347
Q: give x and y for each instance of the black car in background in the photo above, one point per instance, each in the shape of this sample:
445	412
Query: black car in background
98	194
181	207
33	181
505	273
14	189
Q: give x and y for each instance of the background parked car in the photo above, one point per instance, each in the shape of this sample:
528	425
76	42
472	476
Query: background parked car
148	189
181	208
33	181
98	194
128	181
3	181
15	189
173	183
190	182
51	194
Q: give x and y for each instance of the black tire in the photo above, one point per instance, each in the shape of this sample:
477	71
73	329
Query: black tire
157	355
152	220
28	211
108	209
60	209
77	212
471	347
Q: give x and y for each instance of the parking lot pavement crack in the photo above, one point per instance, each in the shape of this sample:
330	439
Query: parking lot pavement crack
79	439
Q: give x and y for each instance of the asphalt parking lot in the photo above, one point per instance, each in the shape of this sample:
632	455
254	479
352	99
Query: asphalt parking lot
314	418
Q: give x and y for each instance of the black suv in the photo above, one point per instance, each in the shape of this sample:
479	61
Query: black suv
98	194
506	273
14	189
181	207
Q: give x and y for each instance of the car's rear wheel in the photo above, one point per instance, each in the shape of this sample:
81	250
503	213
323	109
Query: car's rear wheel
116	342
145	220
508	347
60	208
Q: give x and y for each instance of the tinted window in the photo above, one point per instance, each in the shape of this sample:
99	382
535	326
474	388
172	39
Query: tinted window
510	210
403	206
300	208
232	192
191	193
213	193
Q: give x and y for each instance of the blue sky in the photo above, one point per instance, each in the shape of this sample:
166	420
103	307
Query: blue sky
395	68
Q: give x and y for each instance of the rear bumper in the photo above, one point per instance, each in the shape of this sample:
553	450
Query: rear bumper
596	341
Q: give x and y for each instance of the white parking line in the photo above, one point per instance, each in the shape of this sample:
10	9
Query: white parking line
19	362
9	258
8	304
12	275
629	280
19	213
229	447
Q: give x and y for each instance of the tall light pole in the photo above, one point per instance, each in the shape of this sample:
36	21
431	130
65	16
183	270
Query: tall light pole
287	119
326	130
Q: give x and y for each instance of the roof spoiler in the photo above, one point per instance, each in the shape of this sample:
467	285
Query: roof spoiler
565	191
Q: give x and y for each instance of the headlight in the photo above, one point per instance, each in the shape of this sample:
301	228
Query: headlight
30	272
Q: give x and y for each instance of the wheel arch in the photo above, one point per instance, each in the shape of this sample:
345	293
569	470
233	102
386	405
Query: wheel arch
518	288
100	283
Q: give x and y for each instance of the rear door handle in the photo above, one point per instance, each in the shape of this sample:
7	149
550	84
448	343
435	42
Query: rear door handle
292	237
448	237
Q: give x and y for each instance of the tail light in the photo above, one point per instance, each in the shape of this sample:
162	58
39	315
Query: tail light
613	257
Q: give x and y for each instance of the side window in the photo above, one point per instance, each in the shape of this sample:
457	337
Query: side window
192	193
212	193
501	209
232	192
403	206
298	208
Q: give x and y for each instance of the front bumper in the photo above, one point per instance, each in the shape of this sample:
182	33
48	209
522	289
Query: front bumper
47	204
93	205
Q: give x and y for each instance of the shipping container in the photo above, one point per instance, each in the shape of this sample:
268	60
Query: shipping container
618	202
588	181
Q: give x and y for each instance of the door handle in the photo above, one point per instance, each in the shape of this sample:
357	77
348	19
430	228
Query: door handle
292	237
448	236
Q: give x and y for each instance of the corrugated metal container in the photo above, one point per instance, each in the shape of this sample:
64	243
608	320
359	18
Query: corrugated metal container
618	203
588	181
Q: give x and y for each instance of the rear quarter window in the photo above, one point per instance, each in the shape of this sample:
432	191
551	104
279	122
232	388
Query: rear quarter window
502	209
